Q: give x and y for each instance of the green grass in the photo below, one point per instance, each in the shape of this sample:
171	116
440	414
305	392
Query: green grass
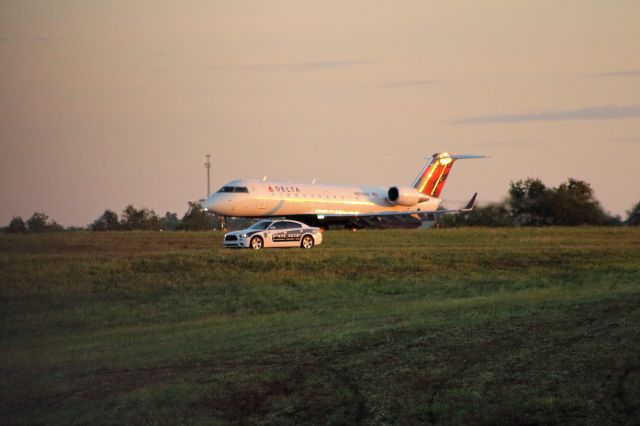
522	326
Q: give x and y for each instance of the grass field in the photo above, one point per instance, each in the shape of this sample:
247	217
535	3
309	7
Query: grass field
455	326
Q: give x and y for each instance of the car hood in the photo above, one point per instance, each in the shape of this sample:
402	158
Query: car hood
249	232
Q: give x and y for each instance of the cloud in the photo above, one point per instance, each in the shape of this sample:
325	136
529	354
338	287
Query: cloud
411	83
298	66
622	73
604	112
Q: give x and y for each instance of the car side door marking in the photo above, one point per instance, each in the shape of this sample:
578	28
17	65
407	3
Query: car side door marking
280	237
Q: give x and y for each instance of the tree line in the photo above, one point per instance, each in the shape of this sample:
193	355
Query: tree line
529	202
131	219
38	222
195	219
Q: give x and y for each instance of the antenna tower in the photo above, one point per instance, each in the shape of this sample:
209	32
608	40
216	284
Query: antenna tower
207	166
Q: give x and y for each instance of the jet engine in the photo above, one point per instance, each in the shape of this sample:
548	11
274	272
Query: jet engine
405	196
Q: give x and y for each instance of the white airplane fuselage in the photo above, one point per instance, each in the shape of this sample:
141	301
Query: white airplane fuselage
275	199
313	203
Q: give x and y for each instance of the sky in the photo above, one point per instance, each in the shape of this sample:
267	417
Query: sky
110	103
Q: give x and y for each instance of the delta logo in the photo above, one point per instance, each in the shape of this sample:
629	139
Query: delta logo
284	189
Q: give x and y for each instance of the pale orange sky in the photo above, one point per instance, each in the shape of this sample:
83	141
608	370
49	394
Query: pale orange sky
103	104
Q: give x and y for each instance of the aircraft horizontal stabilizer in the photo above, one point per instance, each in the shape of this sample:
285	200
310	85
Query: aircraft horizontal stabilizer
466	157
470	205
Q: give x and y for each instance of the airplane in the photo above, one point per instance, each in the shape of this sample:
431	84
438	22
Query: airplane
328	205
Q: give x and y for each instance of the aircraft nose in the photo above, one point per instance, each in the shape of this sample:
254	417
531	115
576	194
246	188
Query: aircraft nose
217	204
209	204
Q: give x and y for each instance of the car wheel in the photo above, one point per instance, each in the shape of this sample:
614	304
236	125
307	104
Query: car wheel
307	242
256	243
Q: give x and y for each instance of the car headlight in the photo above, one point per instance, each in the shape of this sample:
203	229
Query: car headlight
243	235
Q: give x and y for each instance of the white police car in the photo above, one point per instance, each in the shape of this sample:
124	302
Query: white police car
275	233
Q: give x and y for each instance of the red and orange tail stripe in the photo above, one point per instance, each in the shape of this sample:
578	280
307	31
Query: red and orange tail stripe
432	179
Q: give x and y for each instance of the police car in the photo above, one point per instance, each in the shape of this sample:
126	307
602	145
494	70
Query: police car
275	233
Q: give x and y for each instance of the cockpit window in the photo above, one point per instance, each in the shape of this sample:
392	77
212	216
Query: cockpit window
234	189
263	224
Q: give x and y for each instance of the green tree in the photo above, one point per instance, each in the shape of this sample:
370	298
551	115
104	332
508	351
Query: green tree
37	222
633	218
573	203
196	219
151	221
16	226
169	222
529	202
54	226
40	222
143	219
108	221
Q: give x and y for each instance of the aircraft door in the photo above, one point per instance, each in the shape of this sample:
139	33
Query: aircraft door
259	192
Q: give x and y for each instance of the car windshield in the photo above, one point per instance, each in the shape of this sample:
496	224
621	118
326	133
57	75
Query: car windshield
263	224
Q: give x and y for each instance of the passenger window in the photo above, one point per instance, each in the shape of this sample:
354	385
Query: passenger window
291	225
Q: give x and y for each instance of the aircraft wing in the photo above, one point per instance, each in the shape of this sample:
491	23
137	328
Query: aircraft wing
470	205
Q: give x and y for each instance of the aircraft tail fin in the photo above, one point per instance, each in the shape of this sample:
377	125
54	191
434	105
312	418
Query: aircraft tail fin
433	176
471	204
